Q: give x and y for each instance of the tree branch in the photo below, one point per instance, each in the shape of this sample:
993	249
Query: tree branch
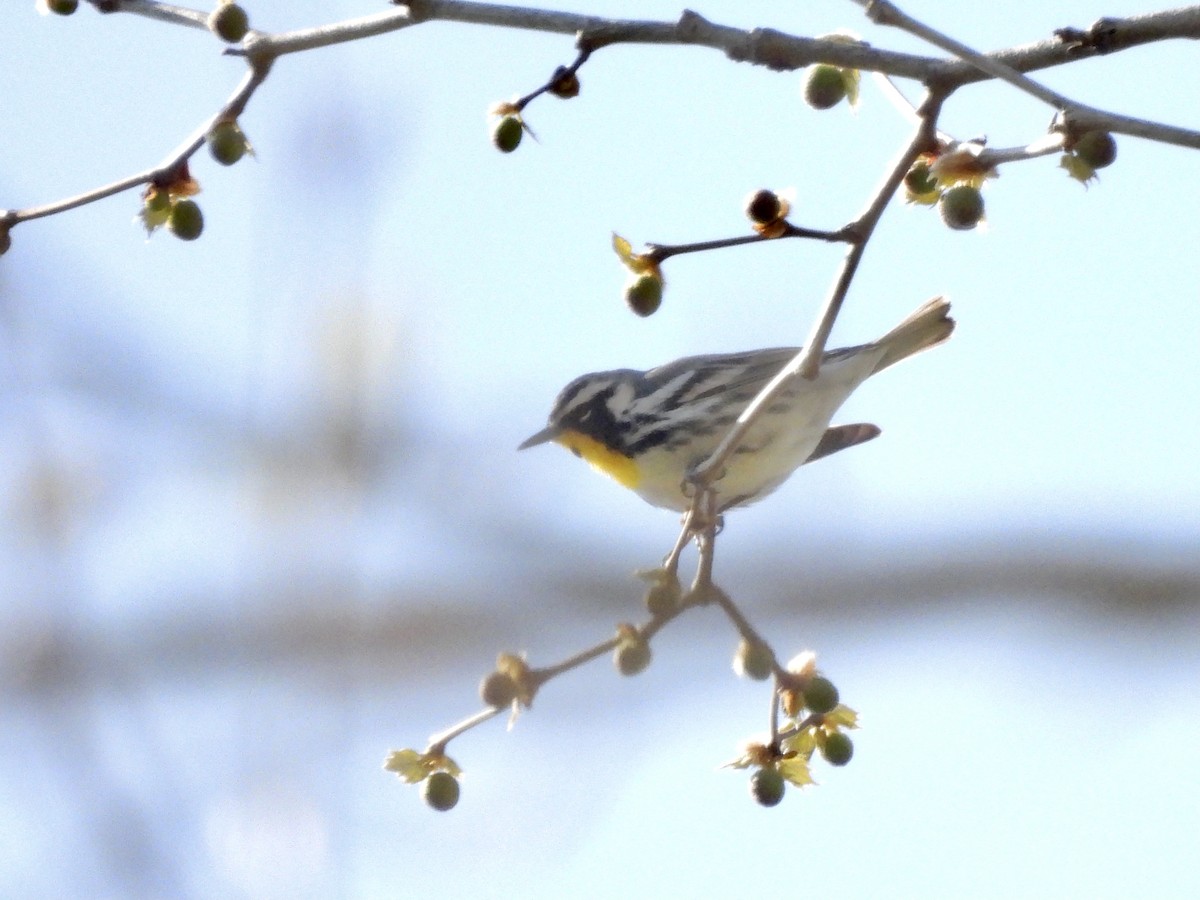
272	46
232	109
1186	23
761	46
163	12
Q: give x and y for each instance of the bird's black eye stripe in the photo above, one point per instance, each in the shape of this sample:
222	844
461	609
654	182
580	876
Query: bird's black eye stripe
651	439
595	418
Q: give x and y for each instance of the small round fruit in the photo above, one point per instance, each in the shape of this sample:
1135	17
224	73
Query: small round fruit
1096	148
662	598
440	791
920	181
227	143
763	207
825	87
767	786
632	657
229	22
754	659
644	294
498	690
507	134
185	221
961	207
838	749
62	7
5	241
820	695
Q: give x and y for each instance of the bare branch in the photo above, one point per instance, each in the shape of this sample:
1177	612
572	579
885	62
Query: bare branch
272	46
883	12
1174	23
1051	143
163	12
232	109
438	742
663	252
762	46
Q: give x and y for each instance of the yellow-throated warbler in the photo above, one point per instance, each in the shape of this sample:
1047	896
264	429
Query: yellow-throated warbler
648	429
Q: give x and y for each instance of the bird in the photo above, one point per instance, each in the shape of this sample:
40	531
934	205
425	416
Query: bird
648	429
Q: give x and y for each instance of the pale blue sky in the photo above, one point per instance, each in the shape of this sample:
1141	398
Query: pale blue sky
1007	754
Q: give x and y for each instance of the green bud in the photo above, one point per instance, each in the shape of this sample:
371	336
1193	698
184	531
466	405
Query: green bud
644	294
227	143
838	749
229	22
767	786
632	656
961	207
662	598
820	695
754	659
440	791
825	87
185	220
498	690
62	7
507	134
1096	148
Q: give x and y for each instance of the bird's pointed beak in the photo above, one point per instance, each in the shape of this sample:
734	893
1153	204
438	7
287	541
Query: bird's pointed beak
549	433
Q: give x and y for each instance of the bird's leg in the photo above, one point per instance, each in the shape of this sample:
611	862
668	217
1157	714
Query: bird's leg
671	561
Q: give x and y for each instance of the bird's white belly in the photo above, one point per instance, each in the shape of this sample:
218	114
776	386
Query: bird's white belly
780	441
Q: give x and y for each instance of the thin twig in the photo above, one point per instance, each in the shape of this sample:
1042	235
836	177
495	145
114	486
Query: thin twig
663	252
735	615
163	12
540	676
773	715
884	12
780	51
809	721
990	157
326	35
767	47
1078	115
438	742
560	75
233	107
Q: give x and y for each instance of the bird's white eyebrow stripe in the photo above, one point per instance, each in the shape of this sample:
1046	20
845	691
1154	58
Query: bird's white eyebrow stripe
585	390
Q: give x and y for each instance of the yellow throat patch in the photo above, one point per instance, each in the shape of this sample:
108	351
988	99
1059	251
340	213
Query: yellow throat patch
615	465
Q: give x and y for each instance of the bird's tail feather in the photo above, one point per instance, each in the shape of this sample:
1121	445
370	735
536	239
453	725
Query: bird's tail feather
927	327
